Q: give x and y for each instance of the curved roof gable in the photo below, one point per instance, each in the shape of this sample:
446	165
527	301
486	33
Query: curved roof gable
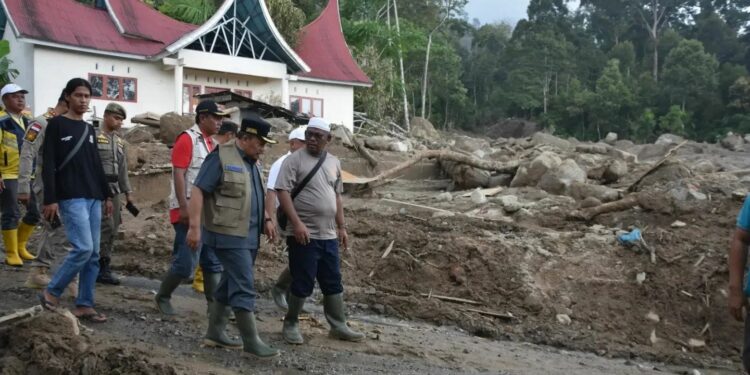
145	31
323	47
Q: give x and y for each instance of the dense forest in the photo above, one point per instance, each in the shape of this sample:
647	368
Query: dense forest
636	67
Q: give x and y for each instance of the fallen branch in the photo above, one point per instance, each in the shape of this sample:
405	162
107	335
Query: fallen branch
656	166
447	155
623	204
450	299
493	314
385	254
20	315
419	206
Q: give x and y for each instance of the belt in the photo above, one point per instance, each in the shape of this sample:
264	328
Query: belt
113	179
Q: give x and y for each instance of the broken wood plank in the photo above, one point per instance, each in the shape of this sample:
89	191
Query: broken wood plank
623	204
487	192
20	315
656	166
419	206
507	316
450	299
385	254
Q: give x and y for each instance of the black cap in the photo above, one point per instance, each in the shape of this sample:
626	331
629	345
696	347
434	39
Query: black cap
209	106
228	127
255	125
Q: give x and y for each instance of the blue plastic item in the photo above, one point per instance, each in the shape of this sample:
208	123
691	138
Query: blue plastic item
629	239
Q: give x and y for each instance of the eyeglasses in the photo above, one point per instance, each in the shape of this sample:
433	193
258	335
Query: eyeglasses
313	134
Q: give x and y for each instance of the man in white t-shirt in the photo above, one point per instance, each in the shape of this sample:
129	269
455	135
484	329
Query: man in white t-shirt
296	142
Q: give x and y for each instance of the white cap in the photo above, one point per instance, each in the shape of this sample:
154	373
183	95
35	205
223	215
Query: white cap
12	88
319	123
298	134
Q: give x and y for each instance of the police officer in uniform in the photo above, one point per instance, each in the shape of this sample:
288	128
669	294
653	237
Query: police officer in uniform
112	151
227	199
13	124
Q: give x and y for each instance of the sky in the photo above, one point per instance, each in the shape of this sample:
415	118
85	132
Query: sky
489	11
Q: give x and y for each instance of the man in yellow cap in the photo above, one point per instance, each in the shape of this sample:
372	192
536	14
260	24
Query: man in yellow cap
112	151
13	124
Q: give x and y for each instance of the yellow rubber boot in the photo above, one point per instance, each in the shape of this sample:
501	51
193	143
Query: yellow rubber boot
10	240
24	233
198	280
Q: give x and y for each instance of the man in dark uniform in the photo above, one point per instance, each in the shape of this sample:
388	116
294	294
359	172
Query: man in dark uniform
112	151
228	196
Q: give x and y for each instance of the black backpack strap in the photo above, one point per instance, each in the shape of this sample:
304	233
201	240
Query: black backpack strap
75	149
301	186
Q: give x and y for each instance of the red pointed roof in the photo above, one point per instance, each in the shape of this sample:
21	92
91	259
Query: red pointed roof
323	47
127	27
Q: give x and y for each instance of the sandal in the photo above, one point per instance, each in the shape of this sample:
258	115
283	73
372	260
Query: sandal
92	317
47	305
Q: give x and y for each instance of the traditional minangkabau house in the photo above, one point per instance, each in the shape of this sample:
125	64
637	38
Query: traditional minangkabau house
146	61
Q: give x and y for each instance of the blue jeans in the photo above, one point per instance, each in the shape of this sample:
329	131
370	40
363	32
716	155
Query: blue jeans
82	219
184	259
317	260
236	288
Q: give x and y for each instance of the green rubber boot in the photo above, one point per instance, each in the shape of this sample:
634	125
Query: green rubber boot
290	331
216	335
251	341
163	297
210	284
278	292
333	307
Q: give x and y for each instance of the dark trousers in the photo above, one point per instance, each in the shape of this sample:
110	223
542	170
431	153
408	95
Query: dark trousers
184	259
236	288
746	348
318	260
11	213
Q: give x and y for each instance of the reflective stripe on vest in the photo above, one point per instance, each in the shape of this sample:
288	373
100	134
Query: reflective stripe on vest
200	151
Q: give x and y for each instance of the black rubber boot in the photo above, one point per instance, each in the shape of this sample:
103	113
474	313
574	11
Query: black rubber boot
250	340
333	307
105	273
290	331
163	297
216	335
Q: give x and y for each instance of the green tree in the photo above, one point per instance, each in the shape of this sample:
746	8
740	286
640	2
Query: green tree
190	11
675	121
613	100
739	95
690	73
288	19
643	129
7	72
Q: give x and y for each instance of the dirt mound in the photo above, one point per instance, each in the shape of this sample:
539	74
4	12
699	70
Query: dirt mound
47	344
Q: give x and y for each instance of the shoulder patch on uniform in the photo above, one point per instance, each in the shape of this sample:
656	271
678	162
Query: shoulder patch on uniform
234	168
33	132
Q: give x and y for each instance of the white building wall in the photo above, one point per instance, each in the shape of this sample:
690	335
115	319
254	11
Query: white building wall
53	68
264	89
22	56
338	100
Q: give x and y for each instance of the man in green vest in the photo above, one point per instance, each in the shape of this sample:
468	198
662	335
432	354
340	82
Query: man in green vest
227	199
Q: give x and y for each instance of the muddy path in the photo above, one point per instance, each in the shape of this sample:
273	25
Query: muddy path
141	336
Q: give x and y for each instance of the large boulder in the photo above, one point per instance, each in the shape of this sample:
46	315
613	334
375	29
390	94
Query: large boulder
385	143
581	191
669	139
422	128
512	128
280	125
342	134
704	167
623	155
615	171
139	134
610	139
171	125
655	151
550	140
733	142
470	144
557	180
668	172
131	152
531	174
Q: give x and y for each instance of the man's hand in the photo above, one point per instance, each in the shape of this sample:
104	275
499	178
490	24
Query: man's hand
108	208
184	216
2	185
194	238
270	231
50	212
343	238
23	198
301	234
128	199
737	301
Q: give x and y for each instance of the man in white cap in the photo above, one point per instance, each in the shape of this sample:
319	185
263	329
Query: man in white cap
309	187
284	282
13	124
